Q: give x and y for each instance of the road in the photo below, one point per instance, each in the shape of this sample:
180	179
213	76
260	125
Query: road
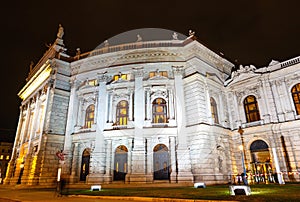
24	195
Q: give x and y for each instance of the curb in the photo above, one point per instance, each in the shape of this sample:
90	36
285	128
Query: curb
135	198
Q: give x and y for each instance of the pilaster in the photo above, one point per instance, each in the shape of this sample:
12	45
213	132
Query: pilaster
137	174
183	156
98	155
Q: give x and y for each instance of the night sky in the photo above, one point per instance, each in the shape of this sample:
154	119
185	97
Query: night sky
248	32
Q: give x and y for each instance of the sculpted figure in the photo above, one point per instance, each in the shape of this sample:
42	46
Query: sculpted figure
60	32
175	36
139	38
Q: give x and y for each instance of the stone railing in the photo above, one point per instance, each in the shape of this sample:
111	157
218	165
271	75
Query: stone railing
290	62
133	46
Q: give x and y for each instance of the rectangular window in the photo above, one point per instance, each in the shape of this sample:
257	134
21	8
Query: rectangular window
93	82
123	76
7	157
1	157
160	73
152	74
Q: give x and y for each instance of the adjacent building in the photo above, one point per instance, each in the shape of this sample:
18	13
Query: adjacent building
167	110
5	156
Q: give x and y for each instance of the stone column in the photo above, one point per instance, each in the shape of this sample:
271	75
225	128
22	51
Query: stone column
127	177
238	122
46	91
137	174
288	102
173	176
171	104
220	107
149	172
279	175
71	122
98	155
148	113
75	162
108	175
278	106
131	106
183	156
110	119
13	159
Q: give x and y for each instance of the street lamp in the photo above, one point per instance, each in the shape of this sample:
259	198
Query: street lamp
243	164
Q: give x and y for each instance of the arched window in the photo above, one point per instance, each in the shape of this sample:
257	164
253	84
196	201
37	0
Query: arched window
296	97
89	116
251	109
214	111
122	113
159	111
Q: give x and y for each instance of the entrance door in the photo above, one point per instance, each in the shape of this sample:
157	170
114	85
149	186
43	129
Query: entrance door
120	164
161	162
85	165
261	164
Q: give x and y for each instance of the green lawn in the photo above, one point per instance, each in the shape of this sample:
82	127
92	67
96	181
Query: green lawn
271	192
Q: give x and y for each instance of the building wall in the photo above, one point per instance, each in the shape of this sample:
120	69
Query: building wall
201	144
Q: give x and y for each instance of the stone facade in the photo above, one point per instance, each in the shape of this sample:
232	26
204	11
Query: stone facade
156	111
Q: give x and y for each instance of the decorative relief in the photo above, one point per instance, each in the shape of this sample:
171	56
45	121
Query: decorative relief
159	93
123	96
291	81
248	91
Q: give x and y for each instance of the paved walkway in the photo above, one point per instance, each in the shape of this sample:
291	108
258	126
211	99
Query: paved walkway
43	194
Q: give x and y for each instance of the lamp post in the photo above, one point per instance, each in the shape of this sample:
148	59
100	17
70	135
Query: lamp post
243	164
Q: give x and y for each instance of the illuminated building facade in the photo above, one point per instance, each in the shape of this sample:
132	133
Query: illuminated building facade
170	111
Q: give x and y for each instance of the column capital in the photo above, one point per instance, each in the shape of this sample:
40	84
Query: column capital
103	78
138	72
178	70
74	82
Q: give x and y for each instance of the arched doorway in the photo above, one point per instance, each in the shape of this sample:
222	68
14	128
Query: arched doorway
85	165
261	162
120	164
161	162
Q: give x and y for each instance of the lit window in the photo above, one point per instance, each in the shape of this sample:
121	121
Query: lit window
89	116
122	76
251	109
158	73
296	97
214	112
7	157
93	82
122	113
159	111
1	157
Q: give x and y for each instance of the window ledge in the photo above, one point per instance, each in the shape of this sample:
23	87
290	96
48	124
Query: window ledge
255	123
159	125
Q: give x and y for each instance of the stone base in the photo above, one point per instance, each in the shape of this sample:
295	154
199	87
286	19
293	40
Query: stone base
136	178
149	178
107	179
185	177
173	177
95	178
73	179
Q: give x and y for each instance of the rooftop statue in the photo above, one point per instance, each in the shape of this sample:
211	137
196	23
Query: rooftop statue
106	43
139	38
175	36
191	33
60	32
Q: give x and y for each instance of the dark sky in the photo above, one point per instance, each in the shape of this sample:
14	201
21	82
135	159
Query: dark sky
251	32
